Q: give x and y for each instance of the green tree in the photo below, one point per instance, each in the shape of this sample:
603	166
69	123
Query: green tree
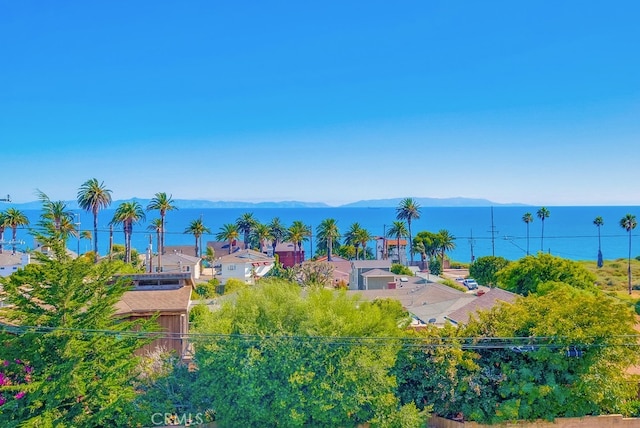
525	275
260	235
542	213
527	218
245	224
127	214
599	222
3	226
162	203
628	223
298	233
55	226
351	237
197	229
14	218
543	379
280	358
228	232
93	196
328	236
484	269
408	210
277	231
445	242
398	230
426	244
80	356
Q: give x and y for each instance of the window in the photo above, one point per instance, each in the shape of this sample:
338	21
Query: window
231	267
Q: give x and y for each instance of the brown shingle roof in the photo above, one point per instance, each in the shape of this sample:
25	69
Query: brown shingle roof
151	301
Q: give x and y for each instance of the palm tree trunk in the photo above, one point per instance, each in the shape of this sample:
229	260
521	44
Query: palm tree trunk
95	236
110	242
629	263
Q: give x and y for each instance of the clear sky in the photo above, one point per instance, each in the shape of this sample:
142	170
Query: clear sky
330	101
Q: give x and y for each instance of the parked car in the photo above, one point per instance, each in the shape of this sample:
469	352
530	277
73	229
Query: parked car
470	283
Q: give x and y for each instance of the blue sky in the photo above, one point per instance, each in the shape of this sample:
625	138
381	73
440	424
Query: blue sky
532	102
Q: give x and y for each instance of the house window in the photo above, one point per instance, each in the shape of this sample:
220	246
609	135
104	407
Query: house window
231	267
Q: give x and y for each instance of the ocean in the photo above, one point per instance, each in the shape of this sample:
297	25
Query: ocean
569	232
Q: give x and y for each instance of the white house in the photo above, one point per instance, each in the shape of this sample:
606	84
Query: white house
9	263
245	265
176	263
360	267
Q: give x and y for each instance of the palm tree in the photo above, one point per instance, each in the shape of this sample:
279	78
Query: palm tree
408	209
197	229
260	234
15	218
628	223
85	234
351	237
156	226
3	225
542	213
228	232
599	222
92	197
245	224
446	242
127	214
277	231
398	230
162	203
328	235
298	233
56	224
527	218
363	237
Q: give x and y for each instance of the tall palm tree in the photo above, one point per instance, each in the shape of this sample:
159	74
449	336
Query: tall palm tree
162	203
527	218
298	233
3	225
277	231
398	230
446	242
245	224
14	218
156	226
56	224
351	237
228	232
260	235
542	213
85	234
328	235
92	197
408	210
363	237
127	214
628	223
197	229
599	222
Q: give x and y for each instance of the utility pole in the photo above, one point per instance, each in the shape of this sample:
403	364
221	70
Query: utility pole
493	235
471	243
77	223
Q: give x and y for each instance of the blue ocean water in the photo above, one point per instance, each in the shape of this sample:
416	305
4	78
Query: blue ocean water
569	232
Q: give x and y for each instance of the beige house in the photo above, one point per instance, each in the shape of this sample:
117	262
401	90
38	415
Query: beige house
360	267
176	263
10	263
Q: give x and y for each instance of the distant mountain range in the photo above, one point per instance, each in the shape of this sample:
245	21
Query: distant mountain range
370	203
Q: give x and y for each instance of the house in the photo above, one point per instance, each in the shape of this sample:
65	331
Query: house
245	265
288	253
341	269
387	248
359	267
484	301
167	295
10	263
220	248
379	279
176	262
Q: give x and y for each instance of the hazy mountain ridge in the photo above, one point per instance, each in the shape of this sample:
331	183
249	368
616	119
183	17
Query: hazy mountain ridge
369	203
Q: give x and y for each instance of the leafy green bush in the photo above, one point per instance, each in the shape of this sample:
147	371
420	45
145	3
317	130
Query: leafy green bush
207	290
399	269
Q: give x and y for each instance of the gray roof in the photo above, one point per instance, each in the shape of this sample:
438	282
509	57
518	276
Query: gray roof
371	264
